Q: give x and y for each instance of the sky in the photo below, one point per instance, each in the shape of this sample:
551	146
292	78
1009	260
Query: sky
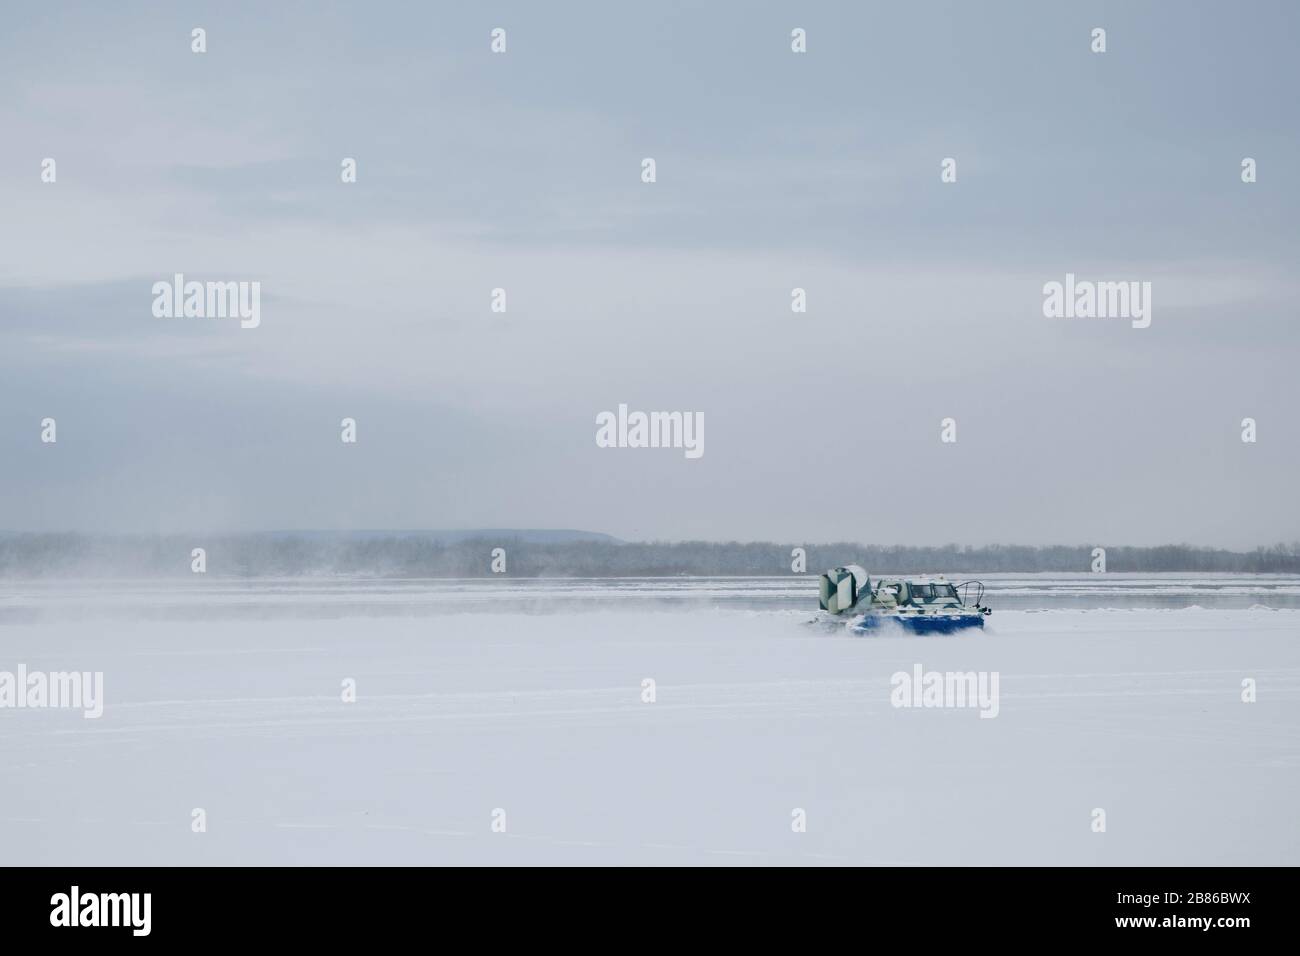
775	170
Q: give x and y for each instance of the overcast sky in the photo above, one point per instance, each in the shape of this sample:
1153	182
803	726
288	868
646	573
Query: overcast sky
775	170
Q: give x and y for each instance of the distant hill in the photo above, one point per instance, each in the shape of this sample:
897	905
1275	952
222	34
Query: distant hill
454	536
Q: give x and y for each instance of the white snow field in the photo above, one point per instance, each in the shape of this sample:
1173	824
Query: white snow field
536	709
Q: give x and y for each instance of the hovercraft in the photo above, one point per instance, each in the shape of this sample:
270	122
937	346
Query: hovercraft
923	605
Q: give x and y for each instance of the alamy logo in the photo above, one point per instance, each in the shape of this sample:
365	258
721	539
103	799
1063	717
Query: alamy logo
208	300
923	688
102	909
1098	300
651	430
74	690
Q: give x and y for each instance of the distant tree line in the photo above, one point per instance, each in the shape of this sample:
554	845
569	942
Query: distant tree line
264	555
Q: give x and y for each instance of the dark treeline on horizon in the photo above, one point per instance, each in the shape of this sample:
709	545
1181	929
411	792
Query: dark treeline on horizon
416	555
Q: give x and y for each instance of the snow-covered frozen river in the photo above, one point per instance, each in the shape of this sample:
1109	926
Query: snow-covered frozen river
508	722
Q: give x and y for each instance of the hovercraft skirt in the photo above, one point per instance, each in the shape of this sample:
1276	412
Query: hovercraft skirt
920	624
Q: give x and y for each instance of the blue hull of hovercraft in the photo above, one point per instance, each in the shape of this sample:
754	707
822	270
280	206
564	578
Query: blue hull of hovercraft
921	624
